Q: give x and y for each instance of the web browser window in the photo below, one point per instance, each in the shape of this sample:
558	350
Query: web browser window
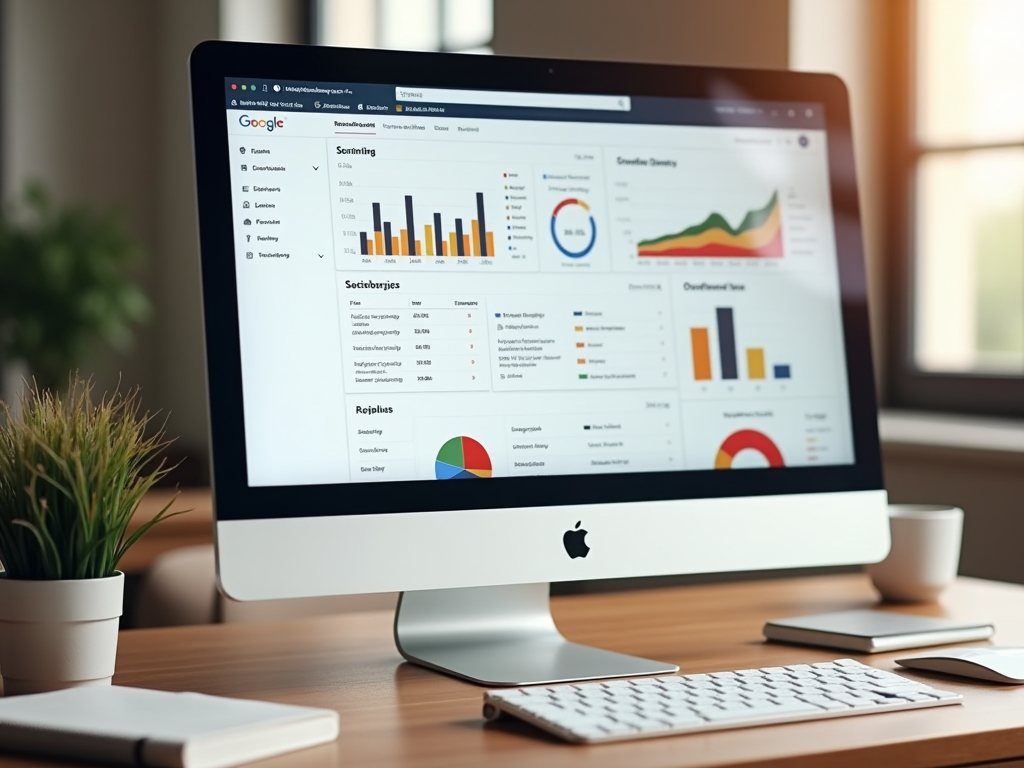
472	284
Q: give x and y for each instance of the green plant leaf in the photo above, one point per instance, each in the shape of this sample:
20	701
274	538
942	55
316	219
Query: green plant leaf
72	474
67	284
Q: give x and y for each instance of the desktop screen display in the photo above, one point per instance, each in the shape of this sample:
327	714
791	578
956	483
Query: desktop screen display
439	284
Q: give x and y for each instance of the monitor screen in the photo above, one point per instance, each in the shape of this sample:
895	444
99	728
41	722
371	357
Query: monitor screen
439	284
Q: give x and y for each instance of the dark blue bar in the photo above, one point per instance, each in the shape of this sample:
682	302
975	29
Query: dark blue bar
781	371
438	236
482	226
410	228
376	219
387	238
727	343
458	237
362	244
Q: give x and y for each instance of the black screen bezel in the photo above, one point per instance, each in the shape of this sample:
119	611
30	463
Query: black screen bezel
211	62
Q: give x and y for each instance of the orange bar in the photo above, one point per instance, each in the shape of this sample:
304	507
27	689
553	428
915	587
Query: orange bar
394	246
444	248
755	362
465	245
378	238
476	237
429	228
701	354
369	248
490	243
453	245
419	249
403	241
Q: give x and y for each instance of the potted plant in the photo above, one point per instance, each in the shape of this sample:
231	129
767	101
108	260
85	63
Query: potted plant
72	473
66	286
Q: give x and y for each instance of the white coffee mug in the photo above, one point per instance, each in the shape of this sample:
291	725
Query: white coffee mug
925	552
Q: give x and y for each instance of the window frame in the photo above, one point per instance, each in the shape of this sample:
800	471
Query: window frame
907	386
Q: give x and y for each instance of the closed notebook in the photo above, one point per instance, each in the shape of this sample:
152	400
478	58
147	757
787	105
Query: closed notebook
874	631
139	727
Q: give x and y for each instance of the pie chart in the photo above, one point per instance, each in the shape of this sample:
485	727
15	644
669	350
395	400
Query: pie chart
748	439
462	458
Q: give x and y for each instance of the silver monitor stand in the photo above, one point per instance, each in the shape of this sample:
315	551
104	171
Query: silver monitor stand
502	635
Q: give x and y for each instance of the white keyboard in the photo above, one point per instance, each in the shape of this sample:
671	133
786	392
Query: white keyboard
643	707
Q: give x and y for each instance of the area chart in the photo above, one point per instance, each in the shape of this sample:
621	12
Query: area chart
759	235
462	458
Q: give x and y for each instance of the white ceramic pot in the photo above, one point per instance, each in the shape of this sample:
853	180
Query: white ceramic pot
58	634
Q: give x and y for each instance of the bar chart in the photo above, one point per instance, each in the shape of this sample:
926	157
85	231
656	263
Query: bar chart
433	206
439	237
728	356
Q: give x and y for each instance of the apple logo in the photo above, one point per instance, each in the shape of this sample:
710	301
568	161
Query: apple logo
575	542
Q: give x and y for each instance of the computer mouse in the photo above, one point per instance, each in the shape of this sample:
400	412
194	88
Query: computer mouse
998	664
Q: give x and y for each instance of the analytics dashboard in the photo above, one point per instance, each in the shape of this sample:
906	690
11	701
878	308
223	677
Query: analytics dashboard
429	290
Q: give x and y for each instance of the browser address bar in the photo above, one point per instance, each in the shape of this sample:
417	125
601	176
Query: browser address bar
513	99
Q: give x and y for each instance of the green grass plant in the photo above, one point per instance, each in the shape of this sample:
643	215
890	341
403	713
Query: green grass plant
72	474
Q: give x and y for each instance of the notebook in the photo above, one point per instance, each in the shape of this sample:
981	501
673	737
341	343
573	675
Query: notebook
139	727
874	631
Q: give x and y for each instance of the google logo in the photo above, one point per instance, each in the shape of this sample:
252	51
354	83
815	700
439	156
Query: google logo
270	124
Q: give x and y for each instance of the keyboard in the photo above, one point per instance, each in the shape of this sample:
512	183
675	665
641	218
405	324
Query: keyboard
642	707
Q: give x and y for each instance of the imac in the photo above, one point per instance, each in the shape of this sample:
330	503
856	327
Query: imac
476	324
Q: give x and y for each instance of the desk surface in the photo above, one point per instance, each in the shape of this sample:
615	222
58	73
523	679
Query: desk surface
395	714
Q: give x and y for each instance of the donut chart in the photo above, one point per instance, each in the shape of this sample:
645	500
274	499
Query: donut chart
570	233
462	458
748	439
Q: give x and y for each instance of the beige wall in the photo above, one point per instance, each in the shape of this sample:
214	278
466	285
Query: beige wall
263	21
95	105
739	33
845	37
180	366
72	115
987	484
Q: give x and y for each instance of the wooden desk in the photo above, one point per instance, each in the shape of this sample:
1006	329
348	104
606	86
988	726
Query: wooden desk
189	529
395	714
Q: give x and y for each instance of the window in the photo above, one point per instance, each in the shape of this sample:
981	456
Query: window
963	180
424	25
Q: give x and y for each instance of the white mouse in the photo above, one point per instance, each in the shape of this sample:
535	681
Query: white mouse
1000	665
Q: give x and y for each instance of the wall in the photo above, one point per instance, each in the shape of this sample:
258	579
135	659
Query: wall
179	364
95	104
846	38
263	21
72	110
987	484
738	33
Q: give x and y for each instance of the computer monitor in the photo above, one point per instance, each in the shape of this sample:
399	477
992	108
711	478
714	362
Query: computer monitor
475	324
